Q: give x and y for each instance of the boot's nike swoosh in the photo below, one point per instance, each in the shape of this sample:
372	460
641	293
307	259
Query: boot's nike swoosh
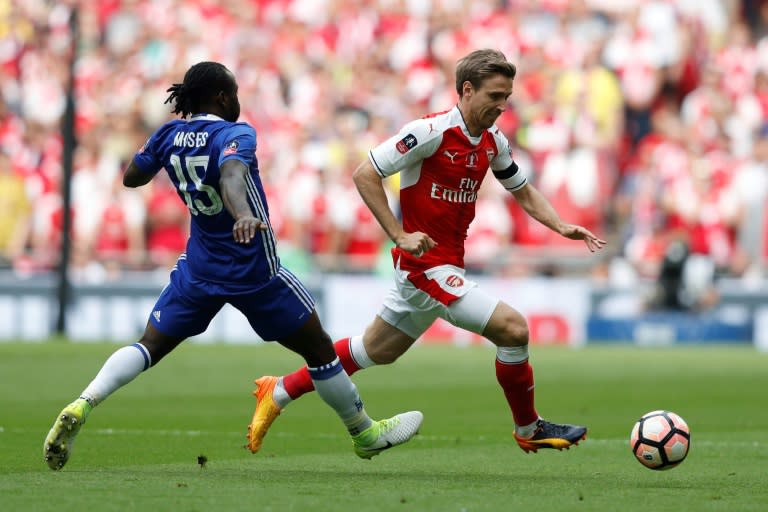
385	447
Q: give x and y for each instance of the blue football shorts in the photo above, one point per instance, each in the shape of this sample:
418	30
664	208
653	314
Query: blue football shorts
275	309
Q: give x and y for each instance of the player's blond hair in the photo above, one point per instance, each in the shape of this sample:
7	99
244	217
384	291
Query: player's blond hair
481	64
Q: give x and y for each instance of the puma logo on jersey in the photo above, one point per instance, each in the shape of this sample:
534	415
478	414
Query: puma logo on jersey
450	155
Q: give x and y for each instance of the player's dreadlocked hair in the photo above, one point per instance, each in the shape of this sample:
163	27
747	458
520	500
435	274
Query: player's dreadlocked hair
479	65
201	82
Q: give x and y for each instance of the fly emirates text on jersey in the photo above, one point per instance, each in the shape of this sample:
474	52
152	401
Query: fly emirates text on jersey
467	192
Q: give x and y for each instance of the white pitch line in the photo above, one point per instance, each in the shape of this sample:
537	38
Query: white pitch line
420	437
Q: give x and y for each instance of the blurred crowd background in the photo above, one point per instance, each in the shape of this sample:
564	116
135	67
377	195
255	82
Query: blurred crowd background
644	120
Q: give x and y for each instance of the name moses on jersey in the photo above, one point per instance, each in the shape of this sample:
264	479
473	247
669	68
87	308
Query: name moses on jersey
190	139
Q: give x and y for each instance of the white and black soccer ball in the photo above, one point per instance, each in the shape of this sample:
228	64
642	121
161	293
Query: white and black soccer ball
660	440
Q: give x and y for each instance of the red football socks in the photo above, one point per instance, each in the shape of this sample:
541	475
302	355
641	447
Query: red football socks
516	379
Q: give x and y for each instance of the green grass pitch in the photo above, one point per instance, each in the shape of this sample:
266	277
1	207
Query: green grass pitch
139	450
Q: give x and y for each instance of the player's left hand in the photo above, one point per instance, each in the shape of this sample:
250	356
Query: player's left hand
575	232
245	228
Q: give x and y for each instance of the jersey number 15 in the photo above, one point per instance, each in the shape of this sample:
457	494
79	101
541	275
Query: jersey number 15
188	172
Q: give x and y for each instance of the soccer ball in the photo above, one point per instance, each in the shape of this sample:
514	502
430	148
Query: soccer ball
660	440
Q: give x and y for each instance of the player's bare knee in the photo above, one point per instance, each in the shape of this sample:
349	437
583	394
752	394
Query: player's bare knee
515	336
518	333
513	332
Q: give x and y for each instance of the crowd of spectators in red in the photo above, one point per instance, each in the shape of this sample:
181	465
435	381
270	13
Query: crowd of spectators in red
644	120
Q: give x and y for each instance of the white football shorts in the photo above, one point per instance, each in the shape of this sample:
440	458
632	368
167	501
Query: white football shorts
419	298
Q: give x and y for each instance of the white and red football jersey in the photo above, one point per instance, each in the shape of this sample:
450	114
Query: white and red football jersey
442	167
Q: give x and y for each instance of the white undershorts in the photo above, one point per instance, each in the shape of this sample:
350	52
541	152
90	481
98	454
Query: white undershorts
419	298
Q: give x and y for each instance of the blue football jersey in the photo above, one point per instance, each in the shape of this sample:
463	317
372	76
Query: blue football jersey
192	152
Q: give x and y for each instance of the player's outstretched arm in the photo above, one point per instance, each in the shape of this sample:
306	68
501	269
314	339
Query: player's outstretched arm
233	193
537	206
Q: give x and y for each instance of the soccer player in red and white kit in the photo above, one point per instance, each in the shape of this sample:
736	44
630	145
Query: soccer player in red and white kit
442	159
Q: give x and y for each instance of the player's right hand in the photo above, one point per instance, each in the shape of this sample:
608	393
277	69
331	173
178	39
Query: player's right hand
245	228
416	243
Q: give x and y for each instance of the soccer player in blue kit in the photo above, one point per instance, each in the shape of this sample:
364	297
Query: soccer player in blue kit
231	257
